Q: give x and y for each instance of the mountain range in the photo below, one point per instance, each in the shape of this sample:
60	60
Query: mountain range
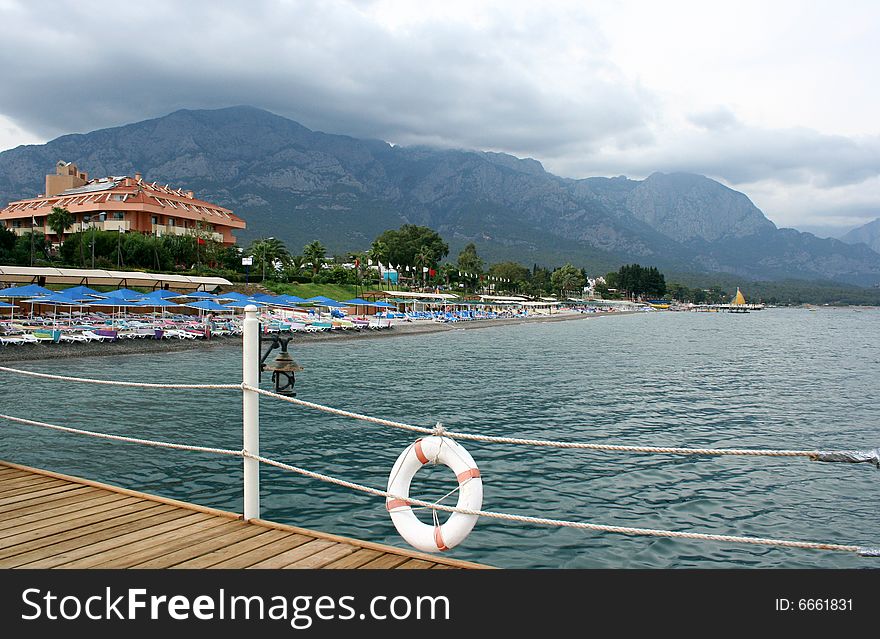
296	184
866	234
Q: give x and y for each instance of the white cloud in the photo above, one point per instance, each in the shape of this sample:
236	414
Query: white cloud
771	98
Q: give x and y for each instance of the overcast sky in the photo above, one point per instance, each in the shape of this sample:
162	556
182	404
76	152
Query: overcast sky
777	99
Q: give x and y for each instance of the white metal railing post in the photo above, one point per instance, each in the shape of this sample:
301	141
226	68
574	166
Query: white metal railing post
250	401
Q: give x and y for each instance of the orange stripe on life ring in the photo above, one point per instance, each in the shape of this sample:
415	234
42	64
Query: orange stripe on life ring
470	473
396	503
420	453
438	539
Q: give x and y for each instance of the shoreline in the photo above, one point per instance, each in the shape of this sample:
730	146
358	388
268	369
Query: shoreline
40	352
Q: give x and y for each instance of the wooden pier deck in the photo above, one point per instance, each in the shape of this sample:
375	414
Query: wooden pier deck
49	520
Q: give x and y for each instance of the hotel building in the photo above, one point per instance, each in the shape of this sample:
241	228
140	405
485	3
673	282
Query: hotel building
125	204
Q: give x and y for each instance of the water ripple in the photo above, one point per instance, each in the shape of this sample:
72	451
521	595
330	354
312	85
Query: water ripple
777	379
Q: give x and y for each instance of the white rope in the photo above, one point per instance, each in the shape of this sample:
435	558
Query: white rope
120	438
815	455
440	430
542	521
107	382
434	506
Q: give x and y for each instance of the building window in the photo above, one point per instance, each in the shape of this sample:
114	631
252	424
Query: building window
154	219
170	221
119	216
16	224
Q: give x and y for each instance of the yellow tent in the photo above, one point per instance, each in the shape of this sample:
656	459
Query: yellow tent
739	299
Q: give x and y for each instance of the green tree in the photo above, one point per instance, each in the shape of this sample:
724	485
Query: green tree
7	245
514	276
315	253
469	261
567	280
59	220
267	252
401	247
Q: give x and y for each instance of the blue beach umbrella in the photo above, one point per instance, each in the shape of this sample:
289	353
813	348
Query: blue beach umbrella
123	293
234	296
384	305
207	305
30	290
55	300
11	308
200	295
80	292
162	294
156	302
241	304
358	302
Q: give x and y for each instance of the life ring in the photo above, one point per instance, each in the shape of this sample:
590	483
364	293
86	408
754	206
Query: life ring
470	494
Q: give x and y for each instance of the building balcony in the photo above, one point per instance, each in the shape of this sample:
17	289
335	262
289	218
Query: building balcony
115	225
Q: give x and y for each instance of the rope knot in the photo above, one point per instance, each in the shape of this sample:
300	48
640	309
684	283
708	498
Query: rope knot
438	431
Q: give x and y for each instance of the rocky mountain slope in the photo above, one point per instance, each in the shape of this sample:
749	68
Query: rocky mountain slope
298	185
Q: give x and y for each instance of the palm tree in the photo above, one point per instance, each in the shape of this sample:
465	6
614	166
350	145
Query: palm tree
59	220
315	253
268	251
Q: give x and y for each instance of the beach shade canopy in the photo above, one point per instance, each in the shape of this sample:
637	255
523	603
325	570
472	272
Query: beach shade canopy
207	305
233	296
31	290
115	302
358	302
124	294
156	302
325	301
264	297
384	305
55	299
80	292
7	305
162	294
202	295
241	304
287	300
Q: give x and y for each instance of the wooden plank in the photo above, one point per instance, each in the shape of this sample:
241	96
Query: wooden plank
233	550
63	559
408	554
64	527
124	491
160	545
355	560
289	541
33	503
37	493
18	482
73	514
30	488
385	561
294	554
74	538
326	556
39	504
242	531
416	564
11	472
38	513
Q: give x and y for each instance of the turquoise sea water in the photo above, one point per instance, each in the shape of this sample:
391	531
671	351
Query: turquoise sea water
781	378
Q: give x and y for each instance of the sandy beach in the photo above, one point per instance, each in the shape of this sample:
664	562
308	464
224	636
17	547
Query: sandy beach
43	351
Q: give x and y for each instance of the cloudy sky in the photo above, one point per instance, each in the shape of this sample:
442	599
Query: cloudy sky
777	99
